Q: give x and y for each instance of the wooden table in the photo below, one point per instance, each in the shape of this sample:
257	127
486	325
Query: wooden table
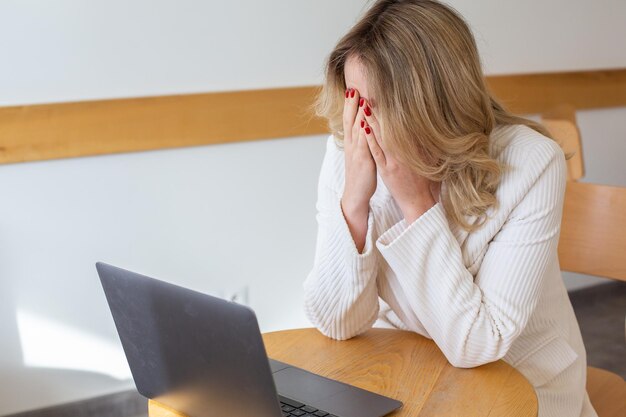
405	366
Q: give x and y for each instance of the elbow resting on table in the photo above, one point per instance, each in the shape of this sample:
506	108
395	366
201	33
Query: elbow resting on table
485	337
460	361
335	325
332	333
491	350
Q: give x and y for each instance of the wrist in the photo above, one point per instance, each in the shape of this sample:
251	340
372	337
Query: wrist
415	210
352	205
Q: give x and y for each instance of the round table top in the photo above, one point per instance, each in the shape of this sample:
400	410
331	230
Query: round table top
405	366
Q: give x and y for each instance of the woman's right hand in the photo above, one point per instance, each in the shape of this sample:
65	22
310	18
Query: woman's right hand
360	168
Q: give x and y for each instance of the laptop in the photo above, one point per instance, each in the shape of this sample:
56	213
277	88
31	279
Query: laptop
205	357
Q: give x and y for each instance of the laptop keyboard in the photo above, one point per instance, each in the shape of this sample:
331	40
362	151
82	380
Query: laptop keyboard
297	409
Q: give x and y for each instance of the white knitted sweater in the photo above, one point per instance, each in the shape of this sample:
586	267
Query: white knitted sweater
495	293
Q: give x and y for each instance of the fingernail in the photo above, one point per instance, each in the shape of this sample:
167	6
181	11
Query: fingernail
347	92
361	102
352	93
367	111
362	123
368	130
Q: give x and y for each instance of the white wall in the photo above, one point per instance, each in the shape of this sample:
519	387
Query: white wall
212	218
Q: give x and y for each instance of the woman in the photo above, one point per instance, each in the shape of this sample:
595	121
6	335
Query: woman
438	210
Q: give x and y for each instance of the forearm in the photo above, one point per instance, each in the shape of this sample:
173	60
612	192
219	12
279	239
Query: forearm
341	296
472	324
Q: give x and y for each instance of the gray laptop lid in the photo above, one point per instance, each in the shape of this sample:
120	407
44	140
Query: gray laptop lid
198	354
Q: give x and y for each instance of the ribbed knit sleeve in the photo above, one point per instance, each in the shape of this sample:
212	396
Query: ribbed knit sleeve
474	320
341	298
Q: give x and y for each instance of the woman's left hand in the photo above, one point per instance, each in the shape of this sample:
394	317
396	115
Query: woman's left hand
412	192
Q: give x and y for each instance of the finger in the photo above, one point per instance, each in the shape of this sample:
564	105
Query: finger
372	121
350	109
358	121
375	149
362	147
362	140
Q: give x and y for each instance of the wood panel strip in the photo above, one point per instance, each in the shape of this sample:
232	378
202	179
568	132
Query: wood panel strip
49	131
63	130
540	93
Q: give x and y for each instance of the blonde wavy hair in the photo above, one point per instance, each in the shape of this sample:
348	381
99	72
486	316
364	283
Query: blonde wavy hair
436	113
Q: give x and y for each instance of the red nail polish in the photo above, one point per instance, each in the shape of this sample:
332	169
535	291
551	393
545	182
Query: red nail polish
362	123
361	102
367	111
368	130
353	92
347	92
